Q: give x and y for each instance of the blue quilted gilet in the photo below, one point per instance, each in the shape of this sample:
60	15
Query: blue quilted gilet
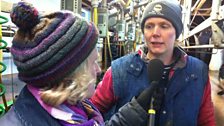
183	97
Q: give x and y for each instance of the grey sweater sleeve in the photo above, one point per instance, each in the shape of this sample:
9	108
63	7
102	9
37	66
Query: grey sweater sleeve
131	114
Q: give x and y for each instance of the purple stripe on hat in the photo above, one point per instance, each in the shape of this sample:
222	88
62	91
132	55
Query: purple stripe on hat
54	59
39	36
67	65
71	38
77	41
23	55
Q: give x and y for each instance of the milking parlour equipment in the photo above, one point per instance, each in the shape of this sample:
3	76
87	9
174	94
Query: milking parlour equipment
3	108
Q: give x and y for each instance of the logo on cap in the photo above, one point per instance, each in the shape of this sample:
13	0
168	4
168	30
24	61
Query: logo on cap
158	8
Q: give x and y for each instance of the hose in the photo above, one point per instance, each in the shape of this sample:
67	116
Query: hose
3	45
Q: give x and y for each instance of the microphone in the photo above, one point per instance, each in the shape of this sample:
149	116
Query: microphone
155	71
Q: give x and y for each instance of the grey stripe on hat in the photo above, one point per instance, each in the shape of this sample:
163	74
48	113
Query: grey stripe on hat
61	42
25	54
59	54
68	64
39	35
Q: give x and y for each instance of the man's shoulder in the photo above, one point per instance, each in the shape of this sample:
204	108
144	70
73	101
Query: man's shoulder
195	61
125	57
197	65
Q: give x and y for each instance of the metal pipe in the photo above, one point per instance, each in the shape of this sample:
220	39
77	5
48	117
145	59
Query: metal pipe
221	46
195	5
132	8
122	11
128	3
217	33
186	18
95	16
205	24
122	3
104	3
200	5
215	9
120	7
95	4
128	8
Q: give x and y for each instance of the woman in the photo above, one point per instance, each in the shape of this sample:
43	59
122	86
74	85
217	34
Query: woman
56	57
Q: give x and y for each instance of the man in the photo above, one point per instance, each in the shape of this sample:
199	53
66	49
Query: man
185	82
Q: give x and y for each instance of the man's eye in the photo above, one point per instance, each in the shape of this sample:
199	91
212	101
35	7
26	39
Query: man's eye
165	26
148	27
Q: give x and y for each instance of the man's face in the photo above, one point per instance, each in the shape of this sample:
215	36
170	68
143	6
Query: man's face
160	36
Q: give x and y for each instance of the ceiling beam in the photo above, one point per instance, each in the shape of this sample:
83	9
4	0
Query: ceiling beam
6	6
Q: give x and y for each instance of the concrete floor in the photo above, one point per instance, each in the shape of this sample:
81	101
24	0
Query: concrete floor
218	100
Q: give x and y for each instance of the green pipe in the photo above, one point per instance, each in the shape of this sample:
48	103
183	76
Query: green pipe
4	45
3	67
2	111
5	20
3	90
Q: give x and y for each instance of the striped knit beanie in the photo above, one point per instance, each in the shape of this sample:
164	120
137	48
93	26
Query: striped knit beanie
48	47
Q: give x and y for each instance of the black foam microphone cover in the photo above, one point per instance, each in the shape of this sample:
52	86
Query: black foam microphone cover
155	70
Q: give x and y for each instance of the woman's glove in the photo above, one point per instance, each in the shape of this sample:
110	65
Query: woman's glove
145	97
156	91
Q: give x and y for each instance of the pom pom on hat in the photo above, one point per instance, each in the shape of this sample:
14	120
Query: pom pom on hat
54	46
24	16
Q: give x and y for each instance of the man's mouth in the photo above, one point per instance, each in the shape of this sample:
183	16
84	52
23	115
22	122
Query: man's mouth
156	43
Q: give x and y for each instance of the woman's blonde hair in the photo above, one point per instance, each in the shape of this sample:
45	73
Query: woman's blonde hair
72	88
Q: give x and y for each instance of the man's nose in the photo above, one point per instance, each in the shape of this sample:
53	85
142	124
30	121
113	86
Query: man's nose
156	31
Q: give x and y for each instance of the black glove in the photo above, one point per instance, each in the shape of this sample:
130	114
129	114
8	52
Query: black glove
144	98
